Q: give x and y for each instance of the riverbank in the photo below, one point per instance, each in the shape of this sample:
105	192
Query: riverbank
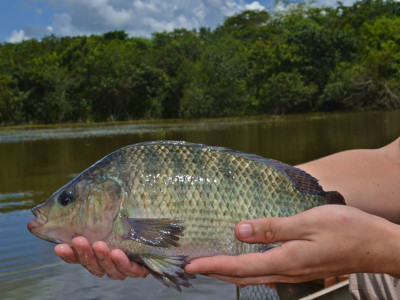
250	118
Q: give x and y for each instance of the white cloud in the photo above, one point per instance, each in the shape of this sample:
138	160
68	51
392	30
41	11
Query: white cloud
62	25
17	36
29	32
142	17
333	3
254	6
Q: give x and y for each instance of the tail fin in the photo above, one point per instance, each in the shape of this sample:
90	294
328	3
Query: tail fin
334	198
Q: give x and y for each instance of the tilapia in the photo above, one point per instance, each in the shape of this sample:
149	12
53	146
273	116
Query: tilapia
167	202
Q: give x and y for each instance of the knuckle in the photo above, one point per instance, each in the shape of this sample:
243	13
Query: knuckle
116	276
134	273
242	270
270	231
97	273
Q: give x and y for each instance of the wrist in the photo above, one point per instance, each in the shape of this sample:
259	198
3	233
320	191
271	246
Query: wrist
388	245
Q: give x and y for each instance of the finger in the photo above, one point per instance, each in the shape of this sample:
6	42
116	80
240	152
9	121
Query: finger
258	280
83	251
270	230
251	264
66	253
126	266
243	282
102	253
279	260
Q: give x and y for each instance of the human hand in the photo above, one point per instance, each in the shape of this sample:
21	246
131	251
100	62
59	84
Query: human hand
99	260
325	241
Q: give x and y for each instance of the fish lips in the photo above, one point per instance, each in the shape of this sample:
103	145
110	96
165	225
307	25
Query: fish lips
40	220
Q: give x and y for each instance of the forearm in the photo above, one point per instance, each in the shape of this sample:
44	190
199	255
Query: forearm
368	179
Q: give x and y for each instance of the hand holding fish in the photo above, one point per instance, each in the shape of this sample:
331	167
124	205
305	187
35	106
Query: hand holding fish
324	241
99	260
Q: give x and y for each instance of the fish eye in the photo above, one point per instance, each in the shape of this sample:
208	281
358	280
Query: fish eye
66	198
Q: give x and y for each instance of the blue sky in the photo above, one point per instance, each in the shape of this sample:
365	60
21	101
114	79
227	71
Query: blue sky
24	19
15	15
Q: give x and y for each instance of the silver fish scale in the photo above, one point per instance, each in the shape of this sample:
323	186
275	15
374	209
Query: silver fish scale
210	189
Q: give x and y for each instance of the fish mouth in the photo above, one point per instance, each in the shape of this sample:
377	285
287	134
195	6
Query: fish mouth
40	217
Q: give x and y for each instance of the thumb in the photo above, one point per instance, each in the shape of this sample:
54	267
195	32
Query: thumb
270	230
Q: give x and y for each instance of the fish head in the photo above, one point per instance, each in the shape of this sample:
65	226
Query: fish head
86	206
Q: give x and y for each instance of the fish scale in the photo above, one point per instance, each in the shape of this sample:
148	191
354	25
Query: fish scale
231	173
175	201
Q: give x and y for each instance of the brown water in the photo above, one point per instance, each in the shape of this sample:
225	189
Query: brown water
34	163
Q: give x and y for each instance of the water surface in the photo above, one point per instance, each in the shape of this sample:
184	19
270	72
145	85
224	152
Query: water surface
34	163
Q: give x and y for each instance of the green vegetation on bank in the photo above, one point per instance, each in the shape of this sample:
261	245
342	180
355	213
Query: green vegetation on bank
299	60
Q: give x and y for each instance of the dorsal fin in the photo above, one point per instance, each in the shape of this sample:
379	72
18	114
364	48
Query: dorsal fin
303	181
334	197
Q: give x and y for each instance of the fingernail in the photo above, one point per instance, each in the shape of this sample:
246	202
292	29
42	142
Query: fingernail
244	230
99	255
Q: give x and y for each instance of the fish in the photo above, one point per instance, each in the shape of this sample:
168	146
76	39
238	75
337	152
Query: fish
165	203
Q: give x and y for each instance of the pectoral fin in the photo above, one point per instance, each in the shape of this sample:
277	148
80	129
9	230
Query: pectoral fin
153	232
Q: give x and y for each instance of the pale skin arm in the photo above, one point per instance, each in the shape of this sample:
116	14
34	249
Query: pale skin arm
367	178
322	242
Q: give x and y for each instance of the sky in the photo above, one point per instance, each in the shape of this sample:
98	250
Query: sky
25	19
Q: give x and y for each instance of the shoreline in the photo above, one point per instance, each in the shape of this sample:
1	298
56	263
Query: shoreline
264	117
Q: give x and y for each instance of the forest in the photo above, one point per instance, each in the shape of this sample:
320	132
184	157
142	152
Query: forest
301	59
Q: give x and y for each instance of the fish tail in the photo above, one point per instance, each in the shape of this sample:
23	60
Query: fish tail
334	197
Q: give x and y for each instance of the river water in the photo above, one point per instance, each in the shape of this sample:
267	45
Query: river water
36	162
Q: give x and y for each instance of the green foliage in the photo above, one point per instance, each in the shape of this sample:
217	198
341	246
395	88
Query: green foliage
115	35
217	84
305	58
287	92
